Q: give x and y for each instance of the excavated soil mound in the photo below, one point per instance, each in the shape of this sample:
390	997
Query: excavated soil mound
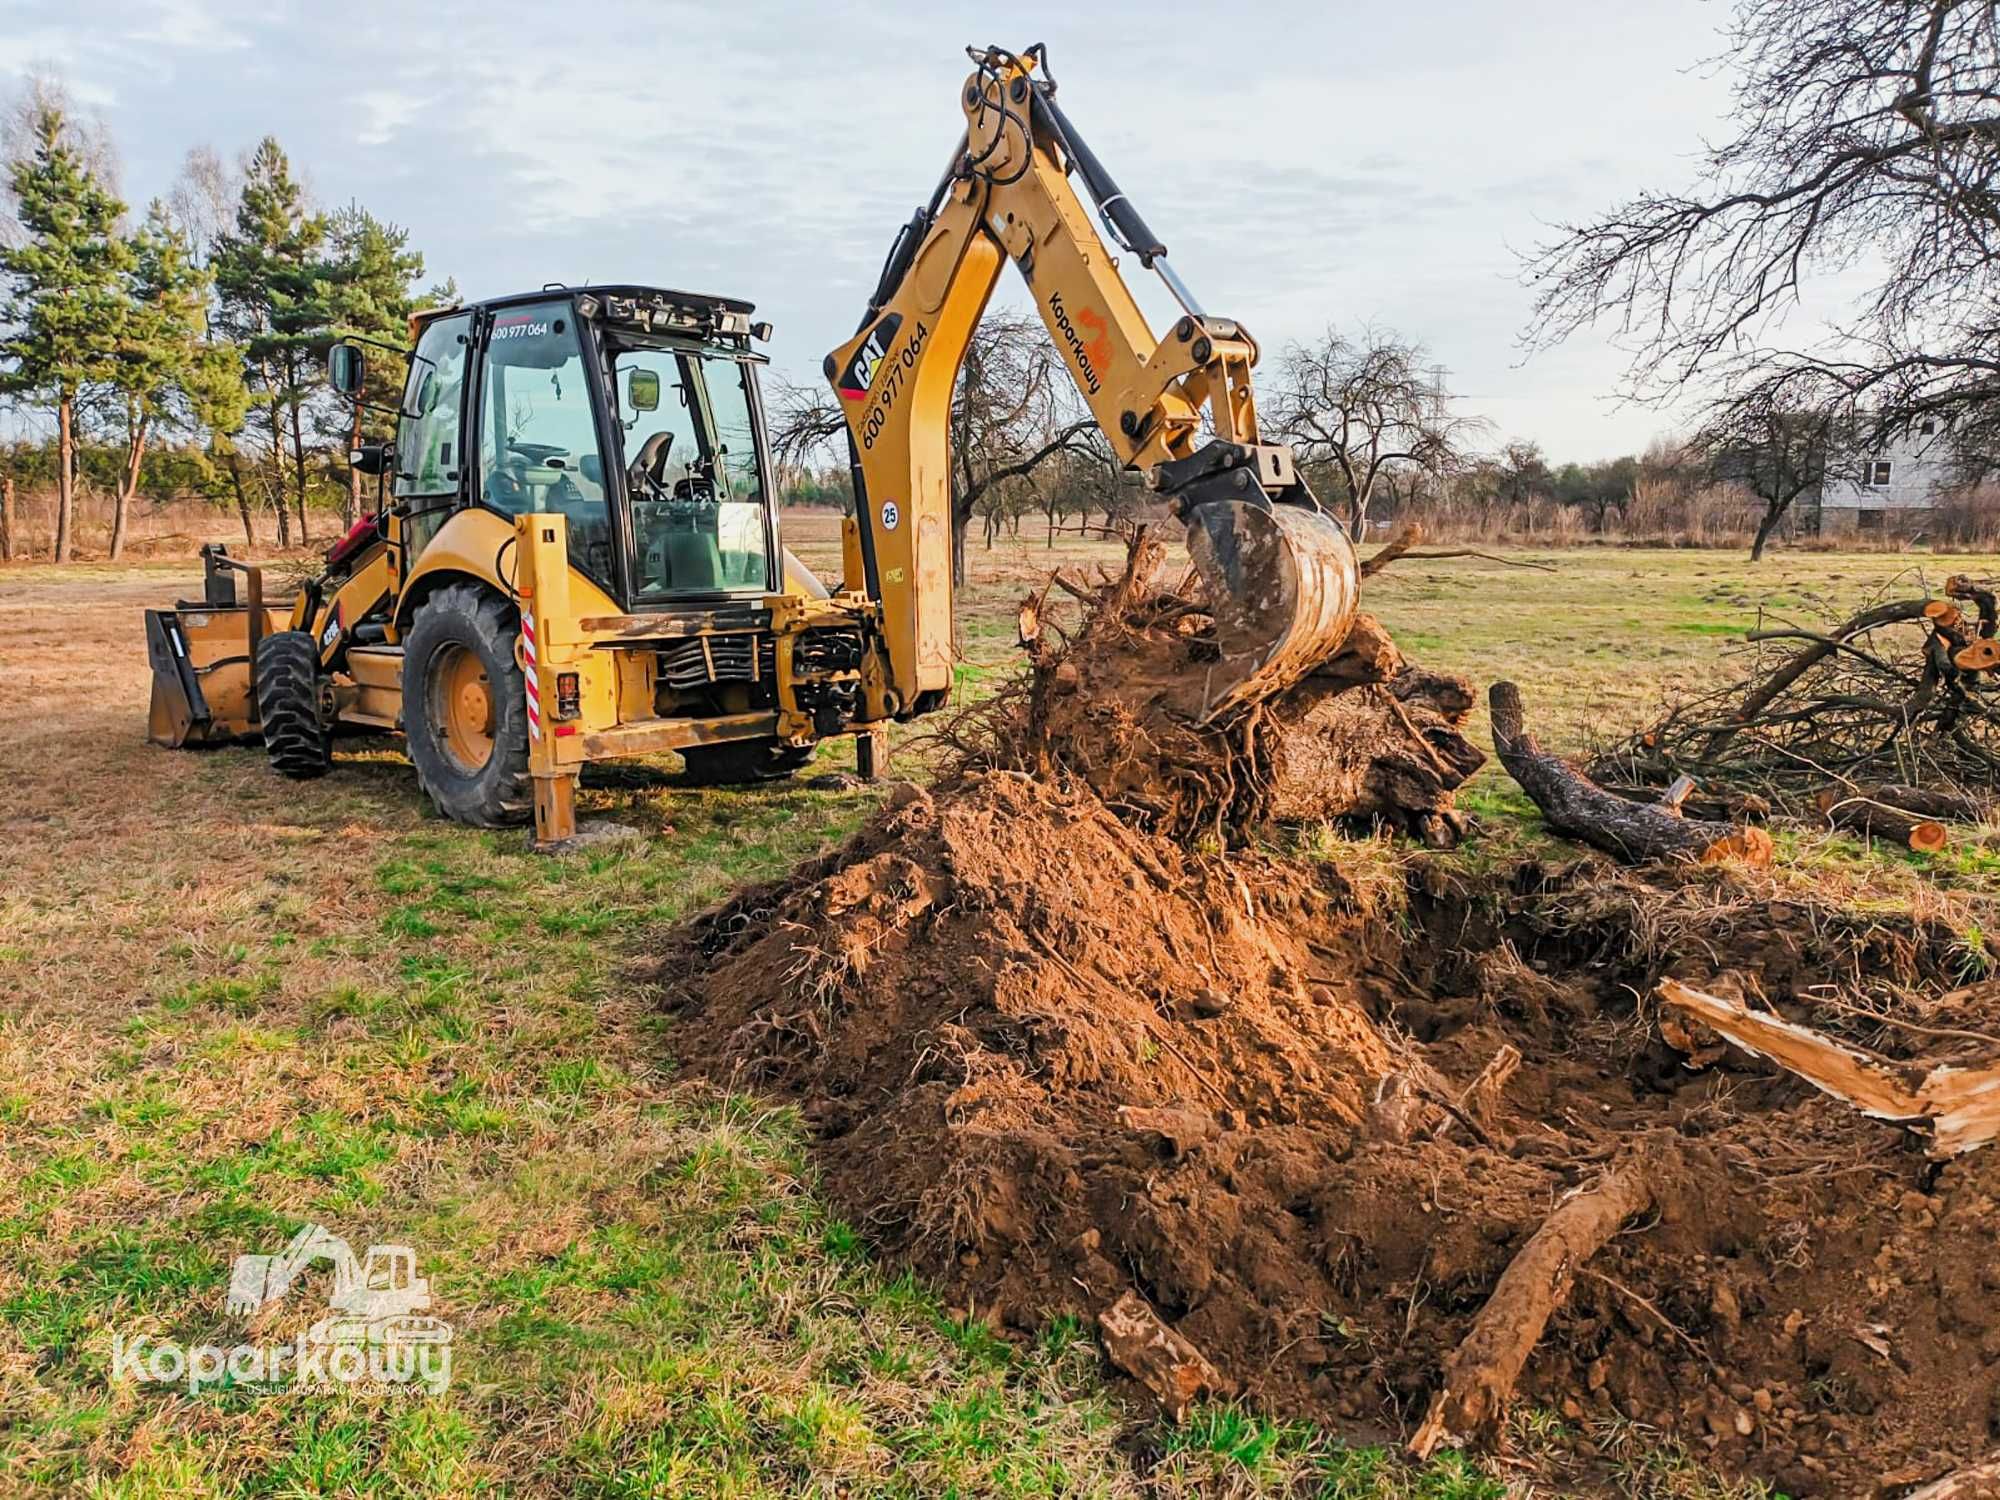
1050	1060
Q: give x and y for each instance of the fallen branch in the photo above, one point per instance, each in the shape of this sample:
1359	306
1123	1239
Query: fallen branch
1397	546
1479	1377
1577	807
1511	562
1957	1107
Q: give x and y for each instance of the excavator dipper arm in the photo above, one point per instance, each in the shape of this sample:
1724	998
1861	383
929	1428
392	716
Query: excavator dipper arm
1280	572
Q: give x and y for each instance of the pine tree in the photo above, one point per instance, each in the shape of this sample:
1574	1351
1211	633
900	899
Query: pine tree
159	344
63	295
268	275
366	291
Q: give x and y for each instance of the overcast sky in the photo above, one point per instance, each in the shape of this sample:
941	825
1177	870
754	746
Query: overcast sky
1305	163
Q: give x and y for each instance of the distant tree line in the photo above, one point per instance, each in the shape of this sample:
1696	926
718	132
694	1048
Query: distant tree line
1369	420
181	348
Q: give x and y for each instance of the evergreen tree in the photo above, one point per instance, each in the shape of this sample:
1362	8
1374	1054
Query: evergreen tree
63	297
160	342
268	273
366	292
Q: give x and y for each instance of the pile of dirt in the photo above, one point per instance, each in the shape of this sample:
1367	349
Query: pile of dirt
1051	1060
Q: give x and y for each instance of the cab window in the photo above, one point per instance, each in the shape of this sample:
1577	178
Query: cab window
692	472
538	449
427	456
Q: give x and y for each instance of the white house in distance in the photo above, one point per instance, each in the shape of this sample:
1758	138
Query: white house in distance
1893	489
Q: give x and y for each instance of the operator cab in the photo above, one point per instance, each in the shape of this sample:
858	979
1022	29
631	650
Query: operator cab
634	412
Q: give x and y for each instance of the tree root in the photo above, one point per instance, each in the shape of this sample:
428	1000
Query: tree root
1479	1377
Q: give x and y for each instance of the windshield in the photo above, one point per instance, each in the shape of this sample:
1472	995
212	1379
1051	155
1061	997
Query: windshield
692	470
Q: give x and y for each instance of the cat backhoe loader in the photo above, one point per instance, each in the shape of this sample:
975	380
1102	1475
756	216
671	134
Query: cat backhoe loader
577	555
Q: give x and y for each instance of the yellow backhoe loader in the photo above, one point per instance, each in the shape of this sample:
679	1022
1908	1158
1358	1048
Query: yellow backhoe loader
577	555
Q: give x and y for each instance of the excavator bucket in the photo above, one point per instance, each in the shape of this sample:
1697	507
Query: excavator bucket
1283	583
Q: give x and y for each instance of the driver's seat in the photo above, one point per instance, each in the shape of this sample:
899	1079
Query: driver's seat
694	560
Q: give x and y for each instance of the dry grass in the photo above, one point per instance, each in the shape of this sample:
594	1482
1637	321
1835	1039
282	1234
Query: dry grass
235	1004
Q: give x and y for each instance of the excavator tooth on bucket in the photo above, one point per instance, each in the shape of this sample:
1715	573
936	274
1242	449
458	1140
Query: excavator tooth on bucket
1283	584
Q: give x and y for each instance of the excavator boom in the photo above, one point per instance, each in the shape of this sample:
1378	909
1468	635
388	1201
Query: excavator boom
1280	572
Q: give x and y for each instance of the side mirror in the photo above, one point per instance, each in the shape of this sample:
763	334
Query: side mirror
369	458
642	390
345	369
761	332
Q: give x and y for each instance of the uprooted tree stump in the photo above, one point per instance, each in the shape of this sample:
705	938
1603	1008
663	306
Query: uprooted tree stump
1574	805
1365	737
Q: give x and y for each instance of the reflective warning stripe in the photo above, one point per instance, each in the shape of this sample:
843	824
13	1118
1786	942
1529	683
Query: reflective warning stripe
528	674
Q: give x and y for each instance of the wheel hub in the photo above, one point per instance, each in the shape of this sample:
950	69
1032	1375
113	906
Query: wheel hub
462	707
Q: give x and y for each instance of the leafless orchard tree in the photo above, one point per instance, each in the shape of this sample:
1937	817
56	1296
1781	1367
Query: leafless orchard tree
1364	408
1776	452
1014	408
1865	131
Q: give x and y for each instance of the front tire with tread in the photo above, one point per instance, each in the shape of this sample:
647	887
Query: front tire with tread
500	792
297	738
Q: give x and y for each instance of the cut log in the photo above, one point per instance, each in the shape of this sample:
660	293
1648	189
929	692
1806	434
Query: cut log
1961	587
1957	1107
1982	655
1137	1342
1930	802
1479	1377
1944	613
1575	806
1714	806
1924	801
1862	814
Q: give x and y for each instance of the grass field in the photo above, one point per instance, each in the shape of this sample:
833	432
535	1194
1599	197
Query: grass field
233	1005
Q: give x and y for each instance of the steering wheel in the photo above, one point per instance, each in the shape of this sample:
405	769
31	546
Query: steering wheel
649	469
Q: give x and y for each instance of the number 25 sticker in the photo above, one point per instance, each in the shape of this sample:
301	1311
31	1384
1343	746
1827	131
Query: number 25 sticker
890	515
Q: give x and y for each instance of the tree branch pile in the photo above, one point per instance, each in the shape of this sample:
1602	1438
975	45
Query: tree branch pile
1116	701
1886	723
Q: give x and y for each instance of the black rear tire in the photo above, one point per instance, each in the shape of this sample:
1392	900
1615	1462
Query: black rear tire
290	706
742	762
458	620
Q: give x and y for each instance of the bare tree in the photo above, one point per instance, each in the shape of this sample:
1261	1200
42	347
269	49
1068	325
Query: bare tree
1361	408
203	198
1780	456
1866	133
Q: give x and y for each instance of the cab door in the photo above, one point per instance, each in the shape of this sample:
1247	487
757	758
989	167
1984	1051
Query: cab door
430	439
539	444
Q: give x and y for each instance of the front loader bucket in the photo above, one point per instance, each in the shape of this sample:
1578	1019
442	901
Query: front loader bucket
1283	584
200	656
